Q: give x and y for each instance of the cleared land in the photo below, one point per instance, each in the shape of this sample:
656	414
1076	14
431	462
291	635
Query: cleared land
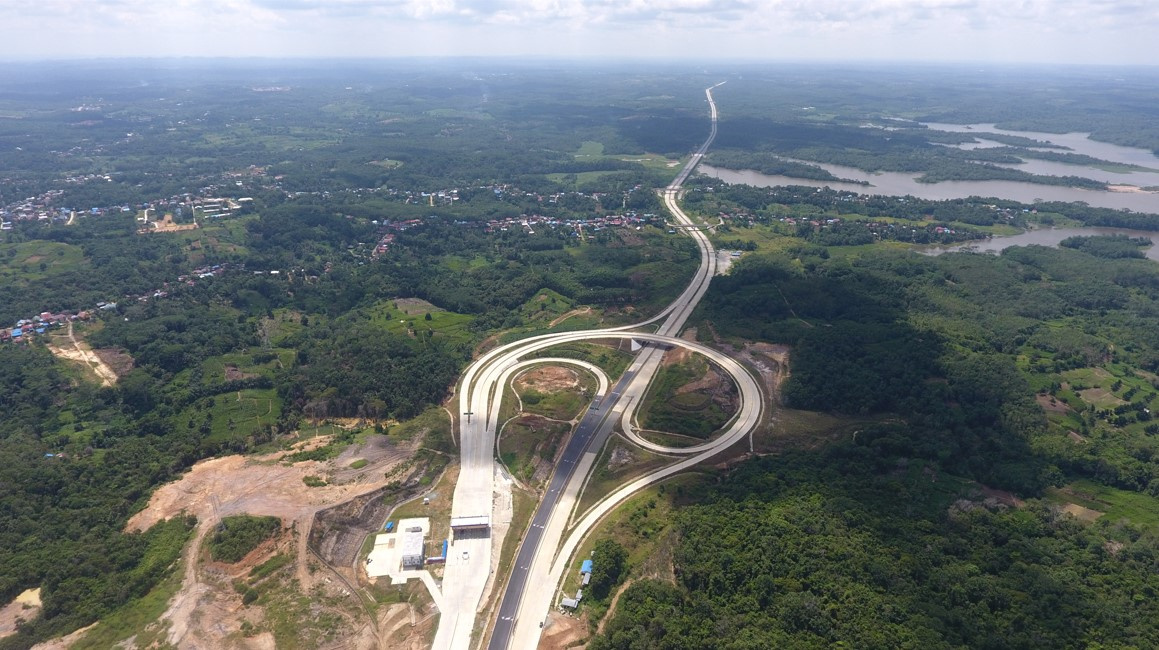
296	600
70	348
24	607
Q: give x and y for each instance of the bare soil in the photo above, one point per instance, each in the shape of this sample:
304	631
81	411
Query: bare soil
232	373
1002	496
26	607
620	457
79	351
562	631
1081	512
712	382
406	628
677	356
629	237
207	611
166	225
64	642
770	361
415	306
1050	404
548	379
118	360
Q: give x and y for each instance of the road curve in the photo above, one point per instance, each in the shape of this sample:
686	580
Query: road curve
599	373
518	625
480	394
546	571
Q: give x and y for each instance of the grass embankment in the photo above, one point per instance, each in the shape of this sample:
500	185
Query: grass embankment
645	526
673	405
1099	501
139	616
618	463
33	261
418	319
527	441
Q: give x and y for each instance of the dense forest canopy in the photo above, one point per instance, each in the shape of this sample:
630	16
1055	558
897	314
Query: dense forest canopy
847	548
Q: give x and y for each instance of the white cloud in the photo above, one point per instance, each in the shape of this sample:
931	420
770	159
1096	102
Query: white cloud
1027	30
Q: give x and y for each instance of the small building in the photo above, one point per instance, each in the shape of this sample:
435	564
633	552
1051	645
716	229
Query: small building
572	603
586	567
412	548
389	527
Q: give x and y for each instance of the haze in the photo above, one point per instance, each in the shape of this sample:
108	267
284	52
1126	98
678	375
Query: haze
997	31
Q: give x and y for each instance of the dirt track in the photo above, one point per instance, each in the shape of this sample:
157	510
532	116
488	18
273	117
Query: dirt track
82	353
207	612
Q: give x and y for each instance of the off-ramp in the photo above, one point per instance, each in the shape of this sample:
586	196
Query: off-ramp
541	561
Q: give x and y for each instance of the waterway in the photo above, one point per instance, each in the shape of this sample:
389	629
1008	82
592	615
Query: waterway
902	184
1044	237
1074	142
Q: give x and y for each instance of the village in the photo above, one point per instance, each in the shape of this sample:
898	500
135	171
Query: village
26	329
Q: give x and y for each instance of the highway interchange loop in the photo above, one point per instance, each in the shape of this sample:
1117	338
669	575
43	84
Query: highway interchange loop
541	561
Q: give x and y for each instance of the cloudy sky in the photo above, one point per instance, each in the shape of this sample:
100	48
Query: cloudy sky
1065	31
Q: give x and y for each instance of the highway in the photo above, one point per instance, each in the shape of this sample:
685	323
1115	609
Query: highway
565	469
531	589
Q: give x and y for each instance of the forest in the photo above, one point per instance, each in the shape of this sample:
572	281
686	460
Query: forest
383	241
886	539
850	548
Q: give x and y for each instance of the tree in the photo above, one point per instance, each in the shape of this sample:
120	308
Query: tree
609	564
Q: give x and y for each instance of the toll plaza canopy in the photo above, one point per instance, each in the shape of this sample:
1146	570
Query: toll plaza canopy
470	523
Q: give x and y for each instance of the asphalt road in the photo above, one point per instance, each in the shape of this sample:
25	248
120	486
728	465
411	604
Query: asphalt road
589	425
538	567
523	619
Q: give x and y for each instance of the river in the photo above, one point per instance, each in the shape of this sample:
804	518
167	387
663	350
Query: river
902	184
1043	237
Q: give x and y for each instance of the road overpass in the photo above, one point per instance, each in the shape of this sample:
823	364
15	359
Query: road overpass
538	566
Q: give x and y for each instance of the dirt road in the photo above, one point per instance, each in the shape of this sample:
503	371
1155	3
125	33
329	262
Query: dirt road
207	611
81	352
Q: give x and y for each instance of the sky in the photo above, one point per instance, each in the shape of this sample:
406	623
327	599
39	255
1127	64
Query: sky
998	31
